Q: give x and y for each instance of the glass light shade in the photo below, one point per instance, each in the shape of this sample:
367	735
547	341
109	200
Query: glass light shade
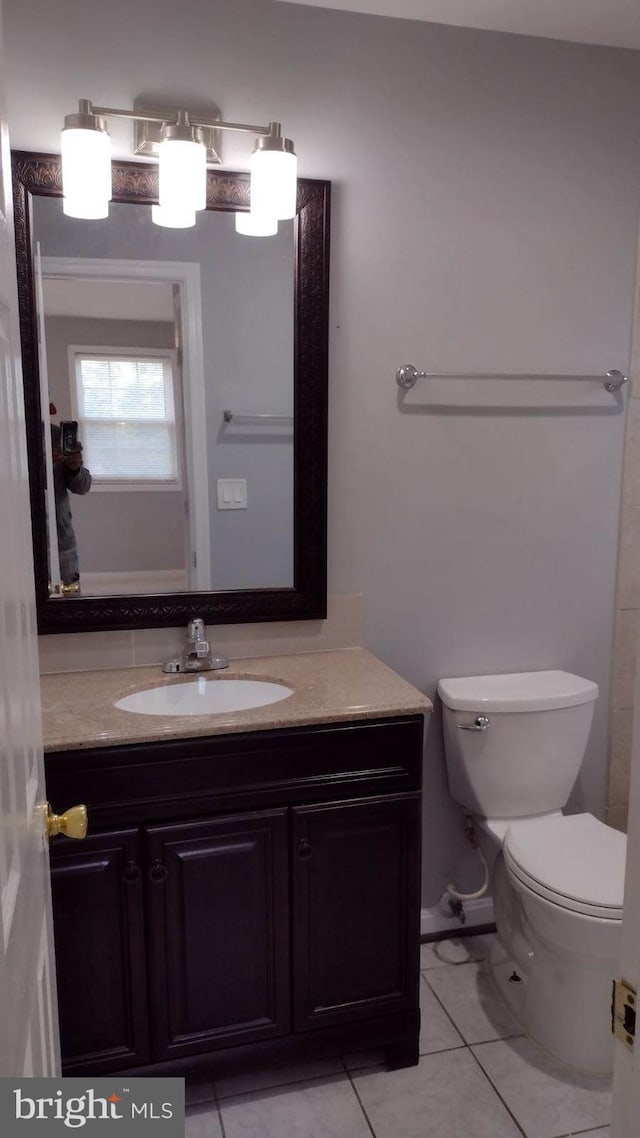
182	171
89	211
253	224
173	218
86	169
273	183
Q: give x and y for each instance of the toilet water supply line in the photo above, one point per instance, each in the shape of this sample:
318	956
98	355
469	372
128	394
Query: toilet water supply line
472	839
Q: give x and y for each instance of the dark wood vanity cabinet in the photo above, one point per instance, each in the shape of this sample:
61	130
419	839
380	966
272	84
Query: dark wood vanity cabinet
218	932
240	898
100	951
355	875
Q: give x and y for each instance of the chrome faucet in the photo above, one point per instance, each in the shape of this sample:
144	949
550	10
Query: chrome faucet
197	654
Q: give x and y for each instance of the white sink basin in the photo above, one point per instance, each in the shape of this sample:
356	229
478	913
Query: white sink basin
204	697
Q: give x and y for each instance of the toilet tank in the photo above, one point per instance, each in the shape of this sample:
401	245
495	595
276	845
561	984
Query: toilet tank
528	736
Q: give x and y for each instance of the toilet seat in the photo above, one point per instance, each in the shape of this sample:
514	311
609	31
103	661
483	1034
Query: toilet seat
574	861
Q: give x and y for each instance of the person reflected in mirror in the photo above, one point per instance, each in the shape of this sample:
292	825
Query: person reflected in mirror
70	476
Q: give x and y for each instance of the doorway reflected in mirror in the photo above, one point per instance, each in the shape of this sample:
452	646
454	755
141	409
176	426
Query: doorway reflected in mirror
147	336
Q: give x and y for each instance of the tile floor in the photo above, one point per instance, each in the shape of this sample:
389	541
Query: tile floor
478	1077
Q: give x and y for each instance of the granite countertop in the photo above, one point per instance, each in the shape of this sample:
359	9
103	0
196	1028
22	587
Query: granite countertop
78	707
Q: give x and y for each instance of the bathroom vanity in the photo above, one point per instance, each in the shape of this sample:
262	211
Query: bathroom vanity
249	888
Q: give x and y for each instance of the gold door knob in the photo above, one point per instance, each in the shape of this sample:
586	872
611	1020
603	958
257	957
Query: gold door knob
73	823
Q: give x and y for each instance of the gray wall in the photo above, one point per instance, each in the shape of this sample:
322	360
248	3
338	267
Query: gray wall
484	216
247	329
119	531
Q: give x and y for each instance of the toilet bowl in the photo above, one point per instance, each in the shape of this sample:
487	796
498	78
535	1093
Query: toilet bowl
557	883
514	745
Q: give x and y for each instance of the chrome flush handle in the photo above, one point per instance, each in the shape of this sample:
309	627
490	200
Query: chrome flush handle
480	723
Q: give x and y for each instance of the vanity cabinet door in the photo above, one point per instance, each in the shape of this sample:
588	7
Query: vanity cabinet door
98	913
356	882
219	932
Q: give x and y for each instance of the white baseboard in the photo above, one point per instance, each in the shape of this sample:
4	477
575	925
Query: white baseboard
478	912
125	584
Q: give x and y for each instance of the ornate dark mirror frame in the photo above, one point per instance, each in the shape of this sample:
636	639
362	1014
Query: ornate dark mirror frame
40	174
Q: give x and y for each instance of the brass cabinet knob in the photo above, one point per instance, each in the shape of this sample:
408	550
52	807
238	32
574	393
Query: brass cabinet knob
73	823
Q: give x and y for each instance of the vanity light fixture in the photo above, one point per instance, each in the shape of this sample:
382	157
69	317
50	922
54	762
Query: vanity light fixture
182	158
273	176
86	164
254	224
173	218
182	167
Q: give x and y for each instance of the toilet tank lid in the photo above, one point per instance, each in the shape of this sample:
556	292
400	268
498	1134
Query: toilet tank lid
517	691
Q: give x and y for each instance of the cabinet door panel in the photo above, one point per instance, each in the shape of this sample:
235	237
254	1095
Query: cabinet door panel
219	932
100	956
356	909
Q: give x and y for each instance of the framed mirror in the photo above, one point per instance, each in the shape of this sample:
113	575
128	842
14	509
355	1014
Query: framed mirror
176	405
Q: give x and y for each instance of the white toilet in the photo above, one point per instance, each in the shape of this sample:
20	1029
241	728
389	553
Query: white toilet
514	745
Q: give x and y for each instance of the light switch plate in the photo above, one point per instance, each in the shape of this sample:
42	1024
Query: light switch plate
232	493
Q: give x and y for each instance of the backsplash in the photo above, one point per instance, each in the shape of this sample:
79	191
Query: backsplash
78	652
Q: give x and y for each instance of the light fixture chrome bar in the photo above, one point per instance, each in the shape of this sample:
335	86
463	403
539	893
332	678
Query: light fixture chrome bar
161	117
136	116
407	377
241	126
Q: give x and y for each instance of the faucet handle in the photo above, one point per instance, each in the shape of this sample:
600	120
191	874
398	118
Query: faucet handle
195	629
197	635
